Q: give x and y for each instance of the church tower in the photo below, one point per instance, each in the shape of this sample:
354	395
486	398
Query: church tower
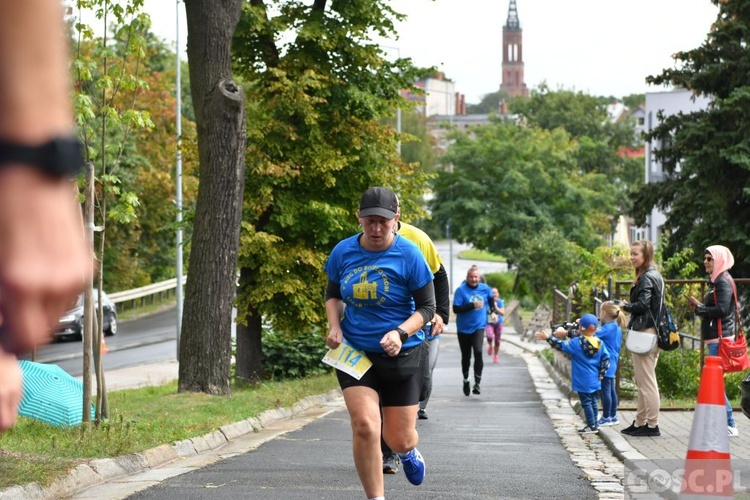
513	83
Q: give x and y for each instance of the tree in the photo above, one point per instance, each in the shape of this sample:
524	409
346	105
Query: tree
107	82
706	154
600	140
510	182
490	103
318	139
633	101
205	342
143	251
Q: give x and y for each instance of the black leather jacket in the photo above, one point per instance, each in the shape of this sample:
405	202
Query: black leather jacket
645	300
722	306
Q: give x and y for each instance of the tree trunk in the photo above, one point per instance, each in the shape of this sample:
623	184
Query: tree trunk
249	353
205	344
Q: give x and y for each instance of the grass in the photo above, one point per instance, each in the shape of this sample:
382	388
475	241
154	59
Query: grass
139	419
145	310
473	254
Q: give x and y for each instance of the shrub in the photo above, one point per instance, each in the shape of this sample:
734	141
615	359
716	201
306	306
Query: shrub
293	356
503	282
678	374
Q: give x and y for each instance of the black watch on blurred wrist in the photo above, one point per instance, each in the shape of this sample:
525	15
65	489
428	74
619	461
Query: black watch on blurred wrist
403	335
59	157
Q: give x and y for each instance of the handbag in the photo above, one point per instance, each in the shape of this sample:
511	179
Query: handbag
733	353
640	342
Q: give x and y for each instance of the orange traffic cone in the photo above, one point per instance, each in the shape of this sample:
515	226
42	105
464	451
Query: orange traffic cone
708	468
105	349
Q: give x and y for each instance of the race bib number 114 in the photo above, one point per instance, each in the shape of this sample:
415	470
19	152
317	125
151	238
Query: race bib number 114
348	359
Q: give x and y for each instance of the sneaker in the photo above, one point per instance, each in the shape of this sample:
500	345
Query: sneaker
422	414
614	421
467	388
733	431
494	360
604	422
646	431
476	389
588	430
489	350
414	467
390	463
630	429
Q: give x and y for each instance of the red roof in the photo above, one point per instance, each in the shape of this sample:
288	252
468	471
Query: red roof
632	152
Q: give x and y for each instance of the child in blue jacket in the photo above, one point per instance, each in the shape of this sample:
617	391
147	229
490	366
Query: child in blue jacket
613	322
589	360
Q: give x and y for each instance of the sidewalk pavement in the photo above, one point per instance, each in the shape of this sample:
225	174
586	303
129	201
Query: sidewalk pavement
653	459
647	459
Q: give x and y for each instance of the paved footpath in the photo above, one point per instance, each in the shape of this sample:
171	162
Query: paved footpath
517	440
497	445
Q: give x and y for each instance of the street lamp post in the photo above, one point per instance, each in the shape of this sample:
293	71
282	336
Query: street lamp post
178	176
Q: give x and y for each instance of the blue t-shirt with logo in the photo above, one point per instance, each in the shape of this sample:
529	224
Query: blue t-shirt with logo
376	288
476	319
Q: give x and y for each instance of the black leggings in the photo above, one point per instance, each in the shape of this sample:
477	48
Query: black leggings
471	342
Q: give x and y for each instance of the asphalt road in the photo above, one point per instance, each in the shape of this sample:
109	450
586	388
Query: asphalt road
457	268
138	341
477	447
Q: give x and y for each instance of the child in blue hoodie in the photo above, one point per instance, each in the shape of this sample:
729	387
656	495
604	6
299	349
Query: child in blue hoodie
613	322
589	360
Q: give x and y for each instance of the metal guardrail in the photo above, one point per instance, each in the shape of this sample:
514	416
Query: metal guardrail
139	297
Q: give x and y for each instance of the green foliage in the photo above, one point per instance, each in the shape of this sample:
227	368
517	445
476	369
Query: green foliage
474	254
599	140
294	356
108	73
681	265
490	103
504	283
632	101
678	374
705	154
509	182
320	132
733	385
547	260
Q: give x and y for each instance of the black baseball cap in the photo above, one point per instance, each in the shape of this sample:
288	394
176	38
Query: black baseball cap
379	201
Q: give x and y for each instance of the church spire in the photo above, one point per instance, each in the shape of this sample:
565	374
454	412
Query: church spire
513	82
512	22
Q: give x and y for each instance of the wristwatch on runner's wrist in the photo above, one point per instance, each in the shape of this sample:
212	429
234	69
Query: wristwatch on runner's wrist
59	157
403	335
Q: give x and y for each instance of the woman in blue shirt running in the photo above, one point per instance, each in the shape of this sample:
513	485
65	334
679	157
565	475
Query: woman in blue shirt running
379	297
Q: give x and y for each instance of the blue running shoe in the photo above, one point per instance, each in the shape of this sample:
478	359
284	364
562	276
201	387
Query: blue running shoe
614	421
604	421
414	467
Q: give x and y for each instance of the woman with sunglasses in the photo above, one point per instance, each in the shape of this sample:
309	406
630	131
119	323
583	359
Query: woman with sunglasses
717	311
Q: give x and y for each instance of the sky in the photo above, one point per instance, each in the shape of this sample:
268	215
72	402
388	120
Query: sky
601	47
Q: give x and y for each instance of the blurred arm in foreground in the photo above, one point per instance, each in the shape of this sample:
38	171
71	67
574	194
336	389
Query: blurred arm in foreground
44	259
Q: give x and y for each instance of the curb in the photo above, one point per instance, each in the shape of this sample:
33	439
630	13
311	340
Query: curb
98	471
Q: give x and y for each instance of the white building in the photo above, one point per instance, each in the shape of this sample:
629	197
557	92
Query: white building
670	103
439	96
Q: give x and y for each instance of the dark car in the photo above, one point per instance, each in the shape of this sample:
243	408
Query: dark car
71	323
